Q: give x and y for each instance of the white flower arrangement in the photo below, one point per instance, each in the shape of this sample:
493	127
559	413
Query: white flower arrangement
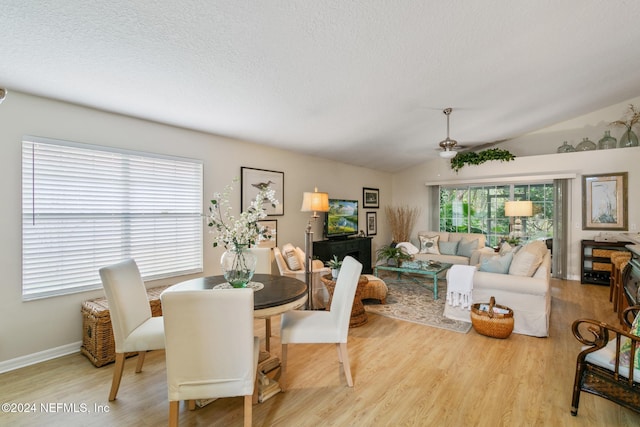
233	232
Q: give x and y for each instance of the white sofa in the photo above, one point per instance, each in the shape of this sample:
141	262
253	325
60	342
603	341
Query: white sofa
454	248
529	296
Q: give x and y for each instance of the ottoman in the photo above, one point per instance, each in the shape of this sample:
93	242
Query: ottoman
375	288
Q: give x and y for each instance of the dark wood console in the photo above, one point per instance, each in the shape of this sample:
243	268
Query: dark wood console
357	247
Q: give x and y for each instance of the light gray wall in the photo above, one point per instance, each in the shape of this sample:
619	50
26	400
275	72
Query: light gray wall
39	326
409	186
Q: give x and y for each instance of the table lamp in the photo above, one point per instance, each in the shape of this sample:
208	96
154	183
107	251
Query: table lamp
518	209
311	202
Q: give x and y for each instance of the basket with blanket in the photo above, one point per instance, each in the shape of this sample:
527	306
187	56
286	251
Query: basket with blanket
491	319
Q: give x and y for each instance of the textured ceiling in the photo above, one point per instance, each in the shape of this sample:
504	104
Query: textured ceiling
360	81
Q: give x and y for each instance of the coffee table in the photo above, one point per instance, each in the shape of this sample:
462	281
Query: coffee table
418	267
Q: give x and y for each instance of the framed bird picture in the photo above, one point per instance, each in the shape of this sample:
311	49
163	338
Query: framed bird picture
253	180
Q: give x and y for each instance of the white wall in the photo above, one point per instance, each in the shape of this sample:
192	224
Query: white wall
37	326
409	186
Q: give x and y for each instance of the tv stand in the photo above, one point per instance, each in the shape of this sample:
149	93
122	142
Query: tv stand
357	247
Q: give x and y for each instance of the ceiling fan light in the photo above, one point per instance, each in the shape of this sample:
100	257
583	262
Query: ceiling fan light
448	154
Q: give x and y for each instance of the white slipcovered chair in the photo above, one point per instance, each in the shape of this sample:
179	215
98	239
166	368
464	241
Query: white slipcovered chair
210	347
317	327
133	327
263	266
291	262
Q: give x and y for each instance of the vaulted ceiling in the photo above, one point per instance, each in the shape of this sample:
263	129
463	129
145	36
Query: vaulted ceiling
360	81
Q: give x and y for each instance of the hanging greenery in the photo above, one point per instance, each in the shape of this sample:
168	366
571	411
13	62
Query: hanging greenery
473	158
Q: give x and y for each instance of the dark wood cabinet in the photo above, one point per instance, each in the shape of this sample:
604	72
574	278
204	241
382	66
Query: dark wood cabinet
596	261
357	247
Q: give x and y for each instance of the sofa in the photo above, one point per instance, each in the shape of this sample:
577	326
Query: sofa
443	246
519	278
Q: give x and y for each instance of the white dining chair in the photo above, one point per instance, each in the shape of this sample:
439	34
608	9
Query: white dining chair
134	330
305	327
211	351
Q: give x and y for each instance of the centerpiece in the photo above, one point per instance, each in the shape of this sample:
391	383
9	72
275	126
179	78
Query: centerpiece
238	234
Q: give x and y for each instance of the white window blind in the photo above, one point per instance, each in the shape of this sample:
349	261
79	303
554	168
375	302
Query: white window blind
85	207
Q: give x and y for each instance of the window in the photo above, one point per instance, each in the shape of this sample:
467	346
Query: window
84	207
480	209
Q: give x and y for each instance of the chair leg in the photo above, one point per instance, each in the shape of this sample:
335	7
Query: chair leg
191	405
141	355
283	367
344	357
248	411
267	325
117	376
174	413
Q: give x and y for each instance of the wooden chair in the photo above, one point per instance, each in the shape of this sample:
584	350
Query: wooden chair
599	368
133	327
618	259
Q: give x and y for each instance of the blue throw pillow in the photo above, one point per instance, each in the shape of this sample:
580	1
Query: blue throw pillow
497	264
466	247
448	248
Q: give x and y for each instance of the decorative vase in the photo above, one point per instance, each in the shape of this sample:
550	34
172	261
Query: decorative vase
238	265
586	145
628	139
566	148
334	273
607	142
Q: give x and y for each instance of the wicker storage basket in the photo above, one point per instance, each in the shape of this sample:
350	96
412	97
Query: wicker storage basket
98	344
492	324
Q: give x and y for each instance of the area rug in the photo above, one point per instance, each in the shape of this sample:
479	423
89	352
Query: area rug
413	302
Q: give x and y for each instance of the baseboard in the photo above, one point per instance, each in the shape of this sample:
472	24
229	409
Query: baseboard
32	359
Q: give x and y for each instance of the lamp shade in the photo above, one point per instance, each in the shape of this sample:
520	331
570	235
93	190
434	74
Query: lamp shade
315	202
518	208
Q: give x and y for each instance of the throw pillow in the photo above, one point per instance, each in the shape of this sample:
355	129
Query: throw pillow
448	248
466	247
429	245
625	349
291	258
525	263
497	264
408	248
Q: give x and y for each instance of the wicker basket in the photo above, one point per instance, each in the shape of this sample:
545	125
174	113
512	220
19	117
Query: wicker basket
98	344
492	324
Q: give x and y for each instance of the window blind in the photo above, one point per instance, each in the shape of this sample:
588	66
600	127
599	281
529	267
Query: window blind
85	207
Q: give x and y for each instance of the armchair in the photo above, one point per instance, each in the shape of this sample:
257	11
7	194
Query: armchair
602	368
295	268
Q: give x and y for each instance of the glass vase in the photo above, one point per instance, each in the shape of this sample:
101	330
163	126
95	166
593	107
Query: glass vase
628	139
586	145
238	265
566	148
607	142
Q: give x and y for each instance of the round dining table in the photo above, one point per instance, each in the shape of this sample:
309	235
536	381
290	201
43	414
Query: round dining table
279	294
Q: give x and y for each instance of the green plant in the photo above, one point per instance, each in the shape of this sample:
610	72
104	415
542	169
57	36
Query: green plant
473	158
334	263
388	252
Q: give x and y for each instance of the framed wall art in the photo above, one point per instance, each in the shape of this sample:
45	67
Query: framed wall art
370	198
252	180
372	224
604	201
271	226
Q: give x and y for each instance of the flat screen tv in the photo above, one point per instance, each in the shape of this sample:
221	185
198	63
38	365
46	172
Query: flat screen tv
342	219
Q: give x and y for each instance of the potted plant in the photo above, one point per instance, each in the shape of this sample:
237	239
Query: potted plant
392	255
334	264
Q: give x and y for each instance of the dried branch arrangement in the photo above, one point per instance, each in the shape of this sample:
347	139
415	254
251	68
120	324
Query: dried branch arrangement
401	220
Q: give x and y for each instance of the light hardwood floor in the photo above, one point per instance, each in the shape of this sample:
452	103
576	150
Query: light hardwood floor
405	375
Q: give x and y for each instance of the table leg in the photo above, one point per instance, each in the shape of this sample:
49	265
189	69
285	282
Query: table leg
435	286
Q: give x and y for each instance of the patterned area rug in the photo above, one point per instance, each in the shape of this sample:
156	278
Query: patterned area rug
413	302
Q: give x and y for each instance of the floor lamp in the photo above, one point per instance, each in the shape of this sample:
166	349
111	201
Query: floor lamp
311	202
518	209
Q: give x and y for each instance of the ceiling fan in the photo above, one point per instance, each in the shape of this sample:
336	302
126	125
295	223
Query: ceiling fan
448	145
